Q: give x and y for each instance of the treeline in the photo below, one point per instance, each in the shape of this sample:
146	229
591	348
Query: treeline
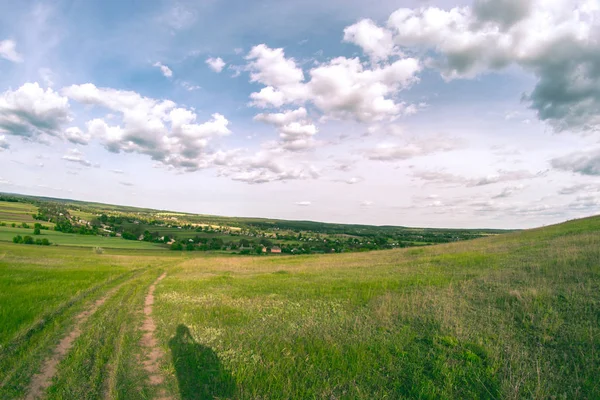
30	240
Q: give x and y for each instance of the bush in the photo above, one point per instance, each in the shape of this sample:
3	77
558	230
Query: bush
45	242
18	239
28	240
177	246
25	225
38	242
37	231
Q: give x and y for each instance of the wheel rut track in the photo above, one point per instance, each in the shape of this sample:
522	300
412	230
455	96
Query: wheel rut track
41	381
153	352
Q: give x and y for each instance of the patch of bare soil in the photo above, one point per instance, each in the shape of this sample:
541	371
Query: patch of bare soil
149	342
42	380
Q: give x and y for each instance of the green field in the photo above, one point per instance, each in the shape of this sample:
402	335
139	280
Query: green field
508	316
70	239
17	213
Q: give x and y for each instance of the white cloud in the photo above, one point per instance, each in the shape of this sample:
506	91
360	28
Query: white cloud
268	165
77	136
414	148
216	64
117	171
296	132
509	191
341	88
555	40
30	112
582	187
47	76
500	176
366	203
583	162
76	156
190	87
303	203
166	71
8	51
157	128
375	41
3	143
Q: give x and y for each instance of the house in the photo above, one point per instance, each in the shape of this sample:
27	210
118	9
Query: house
264	249
276	249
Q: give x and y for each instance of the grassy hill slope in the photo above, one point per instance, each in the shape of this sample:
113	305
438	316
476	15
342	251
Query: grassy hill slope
508	316
511	316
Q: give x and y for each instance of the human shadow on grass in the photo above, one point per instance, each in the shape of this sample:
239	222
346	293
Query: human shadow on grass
199	371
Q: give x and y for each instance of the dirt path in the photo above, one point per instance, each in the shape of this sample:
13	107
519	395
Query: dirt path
42	380
149	342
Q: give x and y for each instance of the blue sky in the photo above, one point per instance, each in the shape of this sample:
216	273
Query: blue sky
418	113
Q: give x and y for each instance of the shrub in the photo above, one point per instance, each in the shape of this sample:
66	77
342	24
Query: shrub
18	239
25	225
38	242
177	246
28	240
45	242
37	231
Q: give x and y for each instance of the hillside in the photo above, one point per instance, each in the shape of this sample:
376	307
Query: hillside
508	316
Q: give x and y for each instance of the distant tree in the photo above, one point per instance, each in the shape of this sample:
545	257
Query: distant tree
45	242
13	225
18	239
25	225
177	246
37	231
28	240
38	242
258	249
190	246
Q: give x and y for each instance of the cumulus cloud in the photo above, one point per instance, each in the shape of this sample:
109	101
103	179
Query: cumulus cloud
268	165
3	143
555	40
296	132
166	71
157	128
216	64
76	156
30	112
8	51
77	136
583	162
377	42
341	88
415	148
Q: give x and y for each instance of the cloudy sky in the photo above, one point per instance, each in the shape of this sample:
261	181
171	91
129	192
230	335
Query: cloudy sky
419	113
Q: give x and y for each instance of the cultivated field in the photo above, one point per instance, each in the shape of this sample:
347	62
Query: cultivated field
509	316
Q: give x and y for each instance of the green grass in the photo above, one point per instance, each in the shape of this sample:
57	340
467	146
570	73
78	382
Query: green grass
504	317
510	316
71	239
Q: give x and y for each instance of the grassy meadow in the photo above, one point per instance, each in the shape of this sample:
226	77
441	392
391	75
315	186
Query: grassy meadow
509	316
71	239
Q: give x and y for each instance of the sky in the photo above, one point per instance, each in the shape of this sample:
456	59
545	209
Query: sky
460	114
